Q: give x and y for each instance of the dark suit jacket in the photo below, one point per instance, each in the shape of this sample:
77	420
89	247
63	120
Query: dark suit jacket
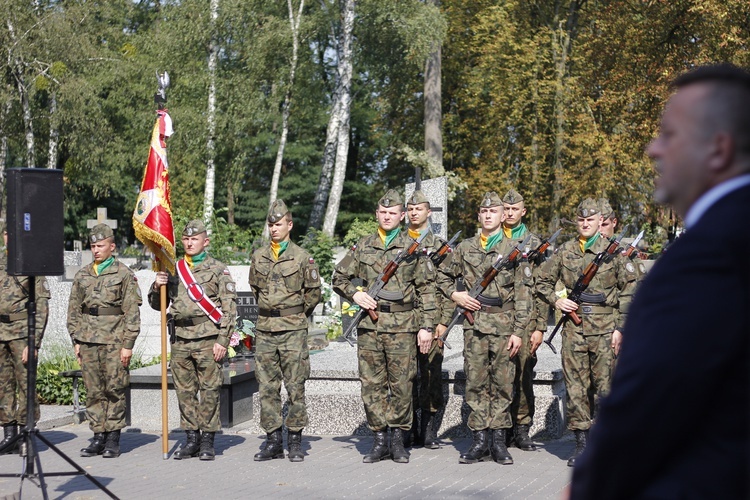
675	424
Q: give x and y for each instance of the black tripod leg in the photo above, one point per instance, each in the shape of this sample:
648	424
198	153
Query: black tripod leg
35	452
77	467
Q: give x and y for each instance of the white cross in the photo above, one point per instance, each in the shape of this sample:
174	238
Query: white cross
101	218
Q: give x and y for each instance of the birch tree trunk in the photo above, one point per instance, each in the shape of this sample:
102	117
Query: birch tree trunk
28	123
329	152
342	147
213	55
54	133
433	111
3	153
294	23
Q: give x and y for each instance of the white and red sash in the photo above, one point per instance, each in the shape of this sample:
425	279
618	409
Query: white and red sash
196	292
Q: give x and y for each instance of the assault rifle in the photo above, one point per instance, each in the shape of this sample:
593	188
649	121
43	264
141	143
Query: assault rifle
438	256
460	313
541	249
583	282
385	275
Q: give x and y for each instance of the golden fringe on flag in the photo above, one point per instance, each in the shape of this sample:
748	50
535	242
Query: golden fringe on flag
152	217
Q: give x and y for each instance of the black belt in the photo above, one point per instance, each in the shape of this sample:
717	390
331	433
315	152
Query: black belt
10	318
197	320
395	308
508	306
280	313
210	337
101	311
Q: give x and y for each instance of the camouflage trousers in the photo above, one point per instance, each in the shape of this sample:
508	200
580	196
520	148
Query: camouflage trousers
281	357
522	408
489	380
13	383
195	373
587	369
387	367
106	382
431	379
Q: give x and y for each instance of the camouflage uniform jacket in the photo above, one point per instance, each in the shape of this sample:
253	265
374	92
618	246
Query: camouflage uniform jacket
615	281
291	281
414	280
117	286
213	276
15	295
469	261
431	244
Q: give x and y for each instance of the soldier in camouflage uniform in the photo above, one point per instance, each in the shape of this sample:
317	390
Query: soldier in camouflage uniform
386	349
588	350
104	320
429	386
286	281
501	316
522	408
14	344
200	344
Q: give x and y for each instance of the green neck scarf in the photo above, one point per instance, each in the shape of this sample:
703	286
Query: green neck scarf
590	242
102	266
196	259
278	248
518	231
387	237
493	240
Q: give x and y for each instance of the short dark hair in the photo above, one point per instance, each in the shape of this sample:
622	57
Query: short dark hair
729	99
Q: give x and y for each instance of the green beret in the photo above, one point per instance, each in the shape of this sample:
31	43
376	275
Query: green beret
390	199
491	199
100	232
194	227
277	211
605	208
512	197
587	208
418	197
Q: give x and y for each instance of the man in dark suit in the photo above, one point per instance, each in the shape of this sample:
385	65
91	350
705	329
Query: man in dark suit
675	424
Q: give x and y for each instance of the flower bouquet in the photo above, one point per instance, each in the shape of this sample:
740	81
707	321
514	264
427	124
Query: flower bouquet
241	341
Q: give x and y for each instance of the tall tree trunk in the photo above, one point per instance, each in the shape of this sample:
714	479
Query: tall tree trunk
342	147
230	203
329	158
28	122
54	132
213	56
286	107
433	111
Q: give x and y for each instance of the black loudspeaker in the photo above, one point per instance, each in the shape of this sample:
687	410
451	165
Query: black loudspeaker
35	222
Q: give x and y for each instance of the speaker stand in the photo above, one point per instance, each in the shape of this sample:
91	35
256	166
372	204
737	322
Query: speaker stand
26	437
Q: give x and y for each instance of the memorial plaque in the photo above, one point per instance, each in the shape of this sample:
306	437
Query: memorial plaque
247	307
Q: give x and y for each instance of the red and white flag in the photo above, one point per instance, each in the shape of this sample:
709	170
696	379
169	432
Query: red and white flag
152	217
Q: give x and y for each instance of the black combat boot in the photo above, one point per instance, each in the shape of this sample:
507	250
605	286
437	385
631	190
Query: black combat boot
522	439
398	452
97	445
9	431
191	447
581	438
429	432
295	446
207	451
499	450
272	448
379	449
112	445
479	450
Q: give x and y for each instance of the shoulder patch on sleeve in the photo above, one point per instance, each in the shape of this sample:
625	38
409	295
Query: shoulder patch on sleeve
629	267
230	287
45	284
642	268
314	273
527	271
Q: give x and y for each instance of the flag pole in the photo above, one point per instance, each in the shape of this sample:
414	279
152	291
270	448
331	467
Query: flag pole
164	387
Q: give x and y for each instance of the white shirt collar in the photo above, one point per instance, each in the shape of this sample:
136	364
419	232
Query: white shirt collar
713	195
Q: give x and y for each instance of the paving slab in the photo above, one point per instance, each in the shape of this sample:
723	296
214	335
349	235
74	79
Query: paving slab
332	469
